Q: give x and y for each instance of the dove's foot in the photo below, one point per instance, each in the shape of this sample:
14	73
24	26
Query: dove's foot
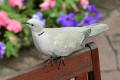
61	62
49	61
82	45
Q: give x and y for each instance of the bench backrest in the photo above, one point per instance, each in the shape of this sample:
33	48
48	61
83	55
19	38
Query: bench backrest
82	65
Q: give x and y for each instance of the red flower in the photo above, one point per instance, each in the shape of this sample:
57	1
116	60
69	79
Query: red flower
16	3
3	18
47	4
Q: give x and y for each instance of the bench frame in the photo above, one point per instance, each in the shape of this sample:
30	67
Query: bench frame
82	65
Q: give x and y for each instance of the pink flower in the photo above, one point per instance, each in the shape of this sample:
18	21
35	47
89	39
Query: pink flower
76	9
11	25
3	18
52	3
47	4
84	3
13	38
16	3
14	26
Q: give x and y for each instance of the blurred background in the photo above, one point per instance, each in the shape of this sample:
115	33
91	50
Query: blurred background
17	51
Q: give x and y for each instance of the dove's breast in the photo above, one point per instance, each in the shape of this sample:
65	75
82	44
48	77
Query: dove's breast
43	43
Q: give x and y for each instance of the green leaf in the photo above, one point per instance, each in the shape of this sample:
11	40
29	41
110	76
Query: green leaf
12	49
8	34
26	30
80	17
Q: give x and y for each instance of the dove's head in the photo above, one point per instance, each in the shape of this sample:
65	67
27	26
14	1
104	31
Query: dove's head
35	25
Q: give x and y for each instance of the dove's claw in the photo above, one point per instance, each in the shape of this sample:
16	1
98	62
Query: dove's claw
61	62
49	61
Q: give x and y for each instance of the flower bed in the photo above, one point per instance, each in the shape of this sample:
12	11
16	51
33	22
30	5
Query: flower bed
52	13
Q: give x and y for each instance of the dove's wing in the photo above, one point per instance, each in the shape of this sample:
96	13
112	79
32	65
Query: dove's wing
69	39
66	40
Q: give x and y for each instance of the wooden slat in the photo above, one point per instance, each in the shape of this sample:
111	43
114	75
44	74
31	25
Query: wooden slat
91	75
75	65
95	74
82	77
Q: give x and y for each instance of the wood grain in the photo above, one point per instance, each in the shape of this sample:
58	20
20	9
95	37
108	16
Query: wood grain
75	65
79	65
81	77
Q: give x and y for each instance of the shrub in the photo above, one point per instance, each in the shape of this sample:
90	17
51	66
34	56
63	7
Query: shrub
52	13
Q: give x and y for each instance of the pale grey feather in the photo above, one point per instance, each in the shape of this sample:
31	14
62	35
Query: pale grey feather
65	41
62	41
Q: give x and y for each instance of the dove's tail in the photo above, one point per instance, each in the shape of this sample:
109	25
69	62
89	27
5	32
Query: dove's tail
98	28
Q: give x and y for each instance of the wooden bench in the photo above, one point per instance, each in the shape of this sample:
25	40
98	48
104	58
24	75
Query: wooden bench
82	65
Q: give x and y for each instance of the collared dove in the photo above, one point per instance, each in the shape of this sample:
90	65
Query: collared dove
61	41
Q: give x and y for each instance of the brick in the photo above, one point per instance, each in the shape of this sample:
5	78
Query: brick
113	75
104	4
23	63
115	40
114	32
114	22
5	71
119	61
103	12
26	60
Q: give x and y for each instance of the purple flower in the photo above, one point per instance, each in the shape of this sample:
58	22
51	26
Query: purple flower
98	16
88	20
25	1
38	16
92	9
67	20
2	49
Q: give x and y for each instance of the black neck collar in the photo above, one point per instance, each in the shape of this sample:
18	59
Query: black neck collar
41	33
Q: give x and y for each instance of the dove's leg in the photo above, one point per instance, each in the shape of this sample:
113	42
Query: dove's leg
61	62
49	61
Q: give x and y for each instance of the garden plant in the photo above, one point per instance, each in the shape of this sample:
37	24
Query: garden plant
52	13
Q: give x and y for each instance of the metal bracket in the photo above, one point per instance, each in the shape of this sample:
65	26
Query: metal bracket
91	45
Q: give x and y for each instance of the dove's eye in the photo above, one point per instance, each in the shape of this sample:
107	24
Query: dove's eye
31	24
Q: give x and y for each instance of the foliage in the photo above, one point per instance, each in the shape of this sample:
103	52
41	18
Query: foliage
14	41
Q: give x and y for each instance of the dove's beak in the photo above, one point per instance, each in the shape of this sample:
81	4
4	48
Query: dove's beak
25	23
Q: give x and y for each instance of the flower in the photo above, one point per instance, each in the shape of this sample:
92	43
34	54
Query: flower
98	16
92	9
67	20
76	9
14	26
38	16
13	38
84	3
3	18
16	3
52	3
9	24
25	1
88	20
2	49
47	4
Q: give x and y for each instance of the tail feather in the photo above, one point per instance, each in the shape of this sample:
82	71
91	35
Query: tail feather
98	28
